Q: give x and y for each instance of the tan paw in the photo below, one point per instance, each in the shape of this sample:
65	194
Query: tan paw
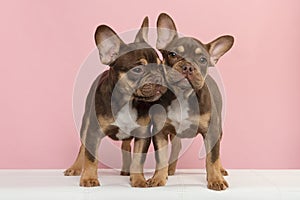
217	184
72	172
157	181
89	182
138	181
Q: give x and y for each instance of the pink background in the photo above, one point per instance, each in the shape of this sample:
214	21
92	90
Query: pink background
43	44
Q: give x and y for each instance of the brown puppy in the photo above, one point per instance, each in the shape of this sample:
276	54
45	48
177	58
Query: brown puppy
197	103
118	103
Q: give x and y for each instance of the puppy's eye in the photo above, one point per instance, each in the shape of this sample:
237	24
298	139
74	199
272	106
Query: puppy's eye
203	60
137	70
172	54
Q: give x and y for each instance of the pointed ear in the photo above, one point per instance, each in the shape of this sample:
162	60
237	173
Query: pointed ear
166	31
142	35
219	47
108	43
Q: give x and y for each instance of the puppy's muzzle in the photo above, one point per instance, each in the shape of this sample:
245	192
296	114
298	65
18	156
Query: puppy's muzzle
188	69
151	89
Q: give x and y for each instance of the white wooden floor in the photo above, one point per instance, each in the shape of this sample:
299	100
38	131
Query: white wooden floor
185	185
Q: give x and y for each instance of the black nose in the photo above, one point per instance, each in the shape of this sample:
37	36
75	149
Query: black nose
188	69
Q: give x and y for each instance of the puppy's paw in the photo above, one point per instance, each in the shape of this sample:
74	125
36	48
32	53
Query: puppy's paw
89	182
157	181
138	183
72	172
124	173
217	183
138	180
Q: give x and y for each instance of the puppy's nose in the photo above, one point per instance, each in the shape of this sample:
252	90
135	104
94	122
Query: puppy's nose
188	69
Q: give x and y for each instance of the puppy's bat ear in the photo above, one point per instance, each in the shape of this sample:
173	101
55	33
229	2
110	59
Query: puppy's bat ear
108	43
142	35
219	47
166	31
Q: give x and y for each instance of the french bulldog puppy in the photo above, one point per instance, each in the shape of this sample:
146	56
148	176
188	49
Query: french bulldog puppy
198	103
118	103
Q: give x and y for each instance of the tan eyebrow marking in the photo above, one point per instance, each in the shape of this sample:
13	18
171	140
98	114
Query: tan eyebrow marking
143	61
198	50
180	49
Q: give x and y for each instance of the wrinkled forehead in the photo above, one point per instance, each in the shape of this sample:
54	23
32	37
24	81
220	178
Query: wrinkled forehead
187	46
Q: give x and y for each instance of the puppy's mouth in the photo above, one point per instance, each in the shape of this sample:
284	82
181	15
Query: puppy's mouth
189	78
150	92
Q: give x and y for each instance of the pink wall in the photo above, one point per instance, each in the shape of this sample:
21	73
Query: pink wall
43	44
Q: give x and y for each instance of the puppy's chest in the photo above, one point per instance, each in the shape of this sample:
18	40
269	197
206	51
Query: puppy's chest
180	115
126	121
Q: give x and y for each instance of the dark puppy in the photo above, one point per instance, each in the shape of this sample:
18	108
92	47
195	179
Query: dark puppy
118	103
198	103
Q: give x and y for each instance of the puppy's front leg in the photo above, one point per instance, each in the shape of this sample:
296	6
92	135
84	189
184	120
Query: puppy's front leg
160	142
215	178
89	177
126	157
140	150
175	150
214	168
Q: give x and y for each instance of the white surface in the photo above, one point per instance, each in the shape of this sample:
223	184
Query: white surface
185	184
